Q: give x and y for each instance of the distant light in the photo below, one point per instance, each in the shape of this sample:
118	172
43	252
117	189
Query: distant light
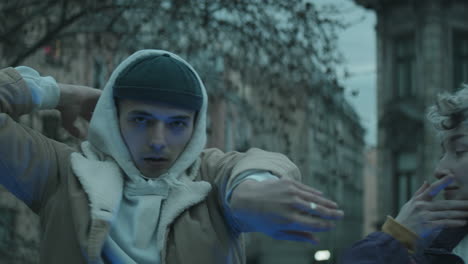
322	255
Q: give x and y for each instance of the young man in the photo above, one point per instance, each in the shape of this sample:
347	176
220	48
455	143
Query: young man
143	189
427	230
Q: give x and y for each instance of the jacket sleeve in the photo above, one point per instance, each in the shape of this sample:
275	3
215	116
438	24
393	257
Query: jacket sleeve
398	231
377	248
222	169
28	160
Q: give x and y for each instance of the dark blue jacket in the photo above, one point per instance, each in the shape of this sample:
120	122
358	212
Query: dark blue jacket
381	248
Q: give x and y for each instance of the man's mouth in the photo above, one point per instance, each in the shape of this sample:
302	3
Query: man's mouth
157	163
156	159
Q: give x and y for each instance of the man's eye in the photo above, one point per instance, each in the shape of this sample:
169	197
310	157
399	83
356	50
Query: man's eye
139	120
178	124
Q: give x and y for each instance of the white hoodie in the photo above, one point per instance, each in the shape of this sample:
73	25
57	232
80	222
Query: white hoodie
137	234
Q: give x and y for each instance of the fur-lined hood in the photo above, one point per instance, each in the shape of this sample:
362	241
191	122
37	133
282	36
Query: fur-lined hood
118	192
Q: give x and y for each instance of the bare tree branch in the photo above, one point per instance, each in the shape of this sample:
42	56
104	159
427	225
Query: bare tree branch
52	33
282	40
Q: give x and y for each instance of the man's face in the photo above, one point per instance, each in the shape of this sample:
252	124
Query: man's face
455	161
155	134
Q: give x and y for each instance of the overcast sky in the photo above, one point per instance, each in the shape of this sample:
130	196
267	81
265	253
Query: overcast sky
358	43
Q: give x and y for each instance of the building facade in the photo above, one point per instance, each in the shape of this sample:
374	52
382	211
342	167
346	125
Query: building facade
422	50
321	133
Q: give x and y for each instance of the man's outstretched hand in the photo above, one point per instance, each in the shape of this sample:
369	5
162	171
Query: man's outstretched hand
76	101
283	209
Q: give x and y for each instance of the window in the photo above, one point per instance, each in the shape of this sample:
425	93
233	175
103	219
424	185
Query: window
404	66
460	58
406	165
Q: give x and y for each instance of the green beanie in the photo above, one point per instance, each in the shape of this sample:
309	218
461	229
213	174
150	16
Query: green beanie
161	79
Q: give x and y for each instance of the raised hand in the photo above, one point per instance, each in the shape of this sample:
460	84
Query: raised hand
76	101
423	215
283	209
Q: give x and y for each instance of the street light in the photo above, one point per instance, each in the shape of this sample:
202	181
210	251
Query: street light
322	255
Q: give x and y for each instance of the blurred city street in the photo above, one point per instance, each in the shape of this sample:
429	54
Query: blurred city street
340	87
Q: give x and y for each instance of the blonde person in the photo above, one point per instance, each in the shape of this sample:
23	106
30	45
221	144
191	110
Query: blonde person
143	188
426	230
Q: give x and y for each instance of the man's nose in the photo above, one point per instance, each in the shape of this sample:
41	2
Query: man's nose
157	139
443	166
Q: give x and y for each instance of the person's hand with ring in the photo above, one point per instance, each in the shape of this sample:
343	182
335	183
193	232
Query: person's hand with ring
283	209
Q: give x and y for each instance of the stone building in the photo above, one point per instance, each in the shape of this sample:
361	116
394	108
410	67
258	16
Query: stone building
320	132
422	50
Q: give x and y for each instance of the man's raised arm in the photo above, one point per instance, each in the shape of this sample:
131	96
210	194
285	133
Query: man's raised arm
30	163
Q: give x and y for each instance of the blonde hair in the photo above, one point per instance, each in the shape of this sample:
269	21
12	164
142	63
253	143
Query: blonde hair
450	109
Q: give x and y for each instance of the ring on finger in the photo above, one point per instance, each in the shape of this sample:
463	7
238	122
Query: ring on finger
313	205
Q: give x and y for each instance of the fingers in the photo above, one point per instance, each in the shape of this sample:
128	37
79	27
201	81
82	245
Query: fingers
449	215
91	98
318	199
444	205
448	223
306	188
317	206
297	236
72	129
323	207
436	187
320	211
302	222
422	188
308	191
